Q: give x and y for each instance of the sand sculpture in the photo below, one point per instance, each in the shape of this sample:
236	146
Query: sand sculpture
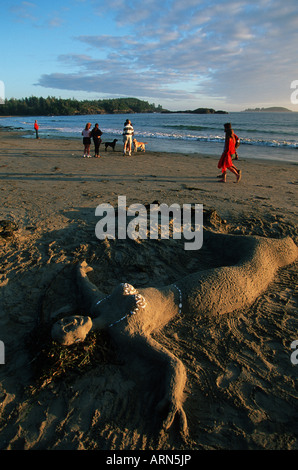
132	315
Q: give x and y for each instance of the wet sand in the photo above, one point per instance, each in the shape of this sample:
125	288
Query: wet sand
241	389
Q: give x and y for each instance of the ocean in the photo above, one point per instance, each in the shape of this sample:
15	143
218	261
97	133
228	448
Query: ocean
263	135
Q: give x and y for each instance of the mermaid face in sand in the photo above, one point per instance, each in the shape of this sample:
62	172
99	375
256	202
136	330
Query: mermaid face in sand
71	329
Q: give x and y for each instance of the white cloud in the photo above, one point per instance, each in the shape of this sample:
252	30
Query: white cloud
24	11
123	84
34	14
242	51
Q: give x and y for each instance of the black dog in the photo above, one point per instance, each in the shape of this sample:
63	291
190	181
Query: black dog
111	144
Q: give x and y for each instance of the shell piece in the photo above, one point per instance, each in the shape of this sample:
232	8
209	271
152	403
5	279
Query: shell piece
128	289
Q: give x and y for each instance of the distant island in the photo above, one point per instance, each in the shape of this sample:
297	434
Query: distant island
273	109
51	106
199	111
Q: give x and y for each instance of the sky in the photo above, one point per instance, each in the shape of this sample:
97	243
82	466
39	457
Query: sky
181	54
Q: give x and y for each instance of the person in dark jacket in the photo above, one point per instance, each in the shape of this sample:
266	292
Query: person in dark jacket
96	136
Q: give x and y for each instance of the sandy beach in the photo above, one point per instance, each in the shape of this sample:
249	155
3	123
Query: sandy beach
241	387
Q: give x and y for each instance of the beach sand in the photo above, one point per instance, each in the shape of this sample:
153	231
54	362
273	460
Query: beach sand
241	389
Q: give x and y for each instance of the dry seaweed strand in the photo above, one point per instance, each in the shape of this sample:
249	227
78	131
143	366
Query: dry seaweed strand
52	362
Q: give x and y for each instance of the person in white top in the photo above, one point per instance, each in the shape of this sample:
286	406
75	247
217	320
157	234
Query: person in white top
128	132
86	133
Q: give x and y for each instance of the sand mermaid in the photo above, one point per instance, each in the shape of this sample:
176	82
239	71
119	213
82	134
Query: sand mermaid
132	315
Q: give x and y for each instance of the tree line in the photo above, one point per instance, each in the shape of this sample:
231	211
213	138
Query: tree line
52	106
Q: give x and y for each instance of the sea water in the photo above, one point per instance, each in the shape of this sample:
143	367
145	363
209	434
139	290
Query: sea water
263	135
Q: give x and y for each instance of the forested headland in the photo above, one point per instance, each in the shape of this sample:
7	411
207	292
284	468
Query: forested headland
51	106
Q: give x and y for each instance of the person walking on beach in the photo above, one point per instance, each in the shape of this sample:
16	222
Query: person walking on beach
229	153
96	134
87	140
36	127
128	132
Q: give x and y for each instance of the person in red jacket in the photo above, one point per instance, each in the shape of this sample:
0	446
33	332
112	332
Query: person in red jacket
36	127
229	153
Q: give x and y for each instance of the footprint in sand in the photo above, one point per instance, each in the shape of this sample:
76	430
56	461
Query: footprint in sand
231	374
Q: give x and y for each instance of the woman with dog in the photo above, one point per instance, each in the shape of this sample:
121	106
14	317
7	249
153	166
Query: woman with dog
128	132
229	154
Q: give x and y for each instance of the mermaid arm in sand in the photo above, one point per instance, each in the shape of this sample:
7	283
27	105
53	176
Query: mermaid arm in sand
130	320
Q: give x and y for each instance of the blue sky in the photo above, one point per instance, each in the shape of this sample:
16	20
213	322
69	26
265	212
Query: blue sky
224	54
